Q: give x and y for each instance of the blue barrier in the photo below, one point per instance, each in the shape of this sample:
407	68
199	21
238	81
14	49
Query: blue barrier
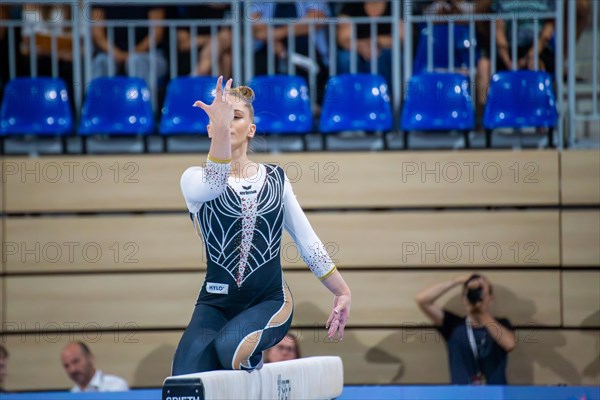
370	392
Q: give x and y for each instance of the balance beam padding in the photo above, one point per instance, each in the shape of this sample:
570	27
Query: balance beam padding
316	378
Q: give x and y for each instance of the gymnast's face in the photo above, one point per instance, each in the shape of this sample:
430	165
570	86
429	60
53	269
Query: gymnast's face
242	127
78	365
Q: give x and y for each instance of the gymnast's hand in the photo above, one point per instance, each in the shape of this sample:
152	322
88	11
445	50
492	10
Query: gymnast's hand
339	316
220	111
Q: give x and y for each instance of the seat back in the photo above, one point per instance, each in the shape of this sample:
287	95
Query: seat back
462	44
437	101
117	105
356	102
178	114
520	99
37	106
282	104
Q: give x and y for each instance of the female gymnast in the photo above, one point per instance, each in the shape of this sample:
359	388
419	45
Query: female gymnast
240	206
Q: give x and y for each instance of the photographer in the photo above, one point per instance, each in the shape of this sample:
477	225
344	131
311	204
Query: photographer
478	344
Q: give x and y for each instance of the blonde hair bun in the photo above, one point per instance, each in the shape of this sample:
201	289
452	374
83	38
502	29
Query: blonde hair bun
245	92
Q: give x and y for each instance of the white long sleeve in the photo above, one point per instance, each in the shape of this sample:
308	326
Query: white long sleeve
311	248
202	184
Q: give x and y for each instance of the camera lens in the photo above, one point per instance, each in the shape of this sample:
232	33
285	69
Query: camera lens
475	295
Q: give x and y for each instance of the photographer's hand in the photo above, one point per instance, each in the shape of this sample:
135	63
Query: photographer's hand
498	332
427	297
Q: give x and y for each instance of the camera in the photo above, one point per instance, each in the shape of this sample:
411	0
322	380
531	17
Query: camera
475	295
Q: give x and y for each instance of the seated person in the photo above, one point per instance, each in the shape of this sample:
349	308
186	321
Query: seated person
384	39
525	35
286	349
78	361
136	61
203	40
295	13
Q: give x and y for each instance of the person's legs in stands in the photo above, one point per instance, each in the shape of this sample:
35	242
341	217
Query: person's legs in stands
384	65
140	62
100	65
343	61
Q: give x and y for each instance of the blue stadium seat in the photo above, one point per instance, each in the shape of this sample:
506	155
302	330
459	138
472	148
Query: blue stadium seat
356	102
36	106
462	44
437	102
117	105
282	104
178	115
520	99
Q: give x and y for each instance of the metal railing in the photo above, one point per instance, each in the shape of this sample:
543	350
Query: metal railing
574	115
241	22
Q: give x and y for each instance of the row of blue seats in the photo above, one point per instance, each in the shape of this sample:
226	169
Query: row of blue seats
352	102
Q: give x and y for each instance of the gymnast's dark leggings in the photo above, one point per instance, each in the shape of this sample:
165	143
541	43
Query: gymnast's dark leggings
212	342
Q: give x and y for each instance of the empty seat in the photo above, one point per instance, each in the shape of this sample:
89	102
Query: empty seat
441	60
520	99
437	102
178	115
117	105
36	106
282	104
356	102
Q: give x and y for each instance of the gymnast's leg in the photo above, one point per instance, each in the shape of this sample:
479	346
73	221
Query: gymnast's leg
196	349
241	342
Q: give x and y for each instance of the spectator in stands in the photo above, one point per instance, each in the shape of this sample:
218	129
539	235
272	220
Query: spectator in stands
383	44
4	66
525	35
135	61
478	344
484	66
286	349
582	18
3	367
78	361
445	9
294	12
203	44
40	24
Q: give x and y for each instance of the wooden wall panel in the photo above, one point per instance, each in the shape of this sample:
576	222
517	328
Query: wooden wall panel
523	297
101	183
167	300
143	359
451	238
580	230
395	239
580	177
383	356
394	179
423	179
102	243
140	300
2	196
555	357
581	298
2	304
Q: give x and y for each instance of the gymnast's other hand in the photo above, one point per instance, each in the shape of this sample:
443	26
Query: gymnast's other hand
339	316
220	111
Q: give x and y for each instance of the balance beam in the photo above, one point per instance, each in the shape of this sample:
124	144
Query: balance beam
310	378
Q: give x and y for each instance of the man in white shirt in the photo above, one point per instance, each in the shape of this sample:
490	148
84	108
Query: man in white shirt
78	361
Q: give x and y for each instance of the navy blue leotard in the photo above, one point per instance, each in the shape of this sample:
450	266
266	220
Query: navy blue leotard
244	306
